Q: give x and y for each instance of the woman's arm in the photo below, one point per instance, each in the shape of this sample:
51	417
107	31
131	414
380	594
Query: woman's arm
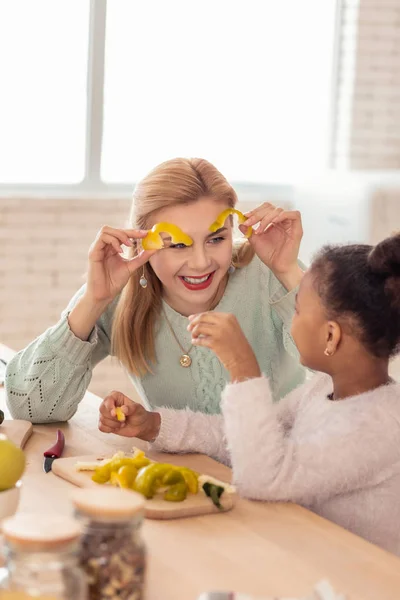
46	381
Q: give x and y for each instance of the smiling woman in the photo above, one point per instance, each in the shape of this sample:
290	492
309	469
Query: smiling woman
145	326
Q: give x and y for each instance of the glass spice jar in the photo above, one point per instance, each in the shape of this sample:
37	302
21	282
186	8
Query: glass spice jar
112	550
42	559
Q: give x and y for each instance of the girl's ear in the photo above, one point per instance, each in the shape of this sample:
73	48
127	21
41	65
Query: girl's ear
333	337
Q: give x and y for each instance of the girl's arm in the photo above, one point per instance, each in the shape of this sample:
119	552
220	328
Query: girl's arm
184	431
269	465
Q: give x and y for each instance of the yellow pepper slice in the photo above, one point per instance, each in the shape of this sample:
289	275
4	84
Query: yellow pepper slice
149	479
102	474
191	479
125	476
176	493
172	477
140	461
121	416
154	241
219	222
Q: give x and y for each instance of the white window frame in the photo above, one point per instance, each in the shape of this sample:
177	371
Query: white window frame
92	185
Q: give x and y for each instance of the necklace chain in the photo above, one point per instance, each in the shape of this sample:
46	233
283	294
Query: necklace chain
185	360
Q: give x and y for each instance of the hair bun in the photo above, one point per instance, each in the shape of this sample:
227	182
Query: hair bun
384	259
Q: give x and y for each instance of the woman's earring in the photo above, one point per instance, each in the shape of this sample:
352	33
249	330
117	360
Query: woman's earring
231	269
328	352
143	280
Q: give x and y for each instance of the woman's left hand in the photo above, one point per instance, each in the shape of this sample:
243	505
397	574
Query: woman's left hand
276	241
222	333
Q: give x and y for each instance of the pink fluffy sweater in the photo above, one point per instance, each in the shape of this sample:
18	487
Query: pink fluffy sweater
341	459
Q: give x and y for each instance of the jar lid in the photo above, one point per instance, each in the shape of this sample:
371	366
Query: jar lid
108	503
40	530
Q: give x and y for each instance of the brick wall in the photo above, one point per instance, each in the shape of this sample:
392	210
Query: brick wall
43	258
367	112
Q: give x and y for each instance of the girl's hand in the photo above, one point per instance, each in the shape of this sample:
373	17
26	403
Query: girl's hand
139	422
222	333
108	271
276	241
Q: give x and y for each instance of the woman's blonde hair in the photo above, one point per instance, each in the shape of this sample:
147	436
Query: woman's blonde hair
177	181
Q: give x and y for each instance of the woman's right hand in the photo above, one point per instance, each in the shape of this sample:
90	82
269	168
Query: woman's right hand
108	271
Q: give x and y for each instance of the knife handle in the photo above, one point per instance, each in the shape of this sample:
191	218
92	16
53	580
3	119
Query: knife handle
58	447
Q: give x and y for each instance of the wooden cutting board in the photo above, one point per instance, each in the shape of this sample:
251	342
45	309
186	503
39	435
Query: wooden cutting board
17	431
157	508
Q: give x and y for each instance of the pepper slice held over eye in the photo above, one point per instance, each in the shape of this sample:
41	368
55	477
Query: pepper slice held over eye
154	241
219	222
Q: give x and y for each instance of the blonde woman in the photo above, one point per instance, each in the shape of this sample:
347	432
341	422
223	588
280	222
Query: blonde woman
137	308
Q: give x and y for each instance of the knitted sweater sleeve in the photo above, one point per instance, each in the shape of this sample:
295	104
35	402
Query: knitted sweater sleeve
270	465
46	381
187	431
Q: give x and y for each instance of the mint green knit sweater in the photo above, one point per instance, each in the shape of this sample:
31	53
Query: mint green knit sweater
47	380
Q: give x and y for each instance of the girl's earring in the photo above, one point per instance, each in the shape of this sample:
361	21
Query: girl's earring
328	352
143	280
231	269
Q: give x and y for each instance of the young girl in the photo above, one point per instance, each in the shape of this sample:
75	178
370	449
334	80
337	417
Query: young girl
137	308
333	444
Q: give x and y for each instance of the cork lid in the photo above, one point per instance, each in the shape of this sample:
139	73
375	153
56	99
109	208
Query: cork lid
40	530
108	503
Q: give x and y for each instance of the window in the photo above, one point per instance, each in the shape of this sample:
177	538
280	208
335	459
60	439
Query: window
43	66
245	84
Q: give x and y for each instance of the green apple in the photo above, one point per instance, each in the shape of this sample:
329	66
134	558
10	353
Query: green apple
12	463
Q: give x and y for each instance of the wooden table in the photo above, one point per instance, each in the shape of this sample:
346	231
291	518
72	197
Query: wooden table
258	548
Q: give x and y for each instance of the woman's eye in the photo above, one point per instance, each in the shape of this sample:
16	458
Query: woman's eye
216	240
178	246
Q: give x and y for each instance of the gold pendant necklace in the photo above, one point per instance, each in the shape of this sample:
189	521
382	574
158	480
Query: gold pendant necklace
184	360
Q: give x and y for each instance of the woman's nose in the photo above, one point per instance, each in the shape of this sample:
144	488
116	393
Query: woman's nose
199	261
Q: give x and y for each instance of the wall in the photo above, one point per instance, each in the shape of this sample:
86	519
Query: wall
43	257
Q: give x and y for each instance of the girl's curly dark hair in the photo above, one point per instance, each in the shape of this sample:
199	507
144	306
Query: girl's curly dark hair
359	286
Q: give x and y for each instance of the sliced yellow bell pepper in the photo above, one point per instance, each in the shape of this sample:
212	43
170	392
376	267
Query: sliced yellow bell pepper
150	478
154	241
176	493
141	461
172	477
102	474
139	473
219	222
125	476
191	478
121	416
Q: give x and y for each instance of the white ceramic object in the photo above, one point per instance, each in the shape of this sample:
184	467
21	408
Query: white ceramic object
9	500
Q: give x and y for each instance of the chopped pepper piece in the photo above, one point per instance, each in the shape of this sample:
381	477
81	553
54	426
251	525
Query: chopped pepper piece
102	474
149	479
176	493
219	222
124	477
214	492
172	477
120	414
154	241
191	478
